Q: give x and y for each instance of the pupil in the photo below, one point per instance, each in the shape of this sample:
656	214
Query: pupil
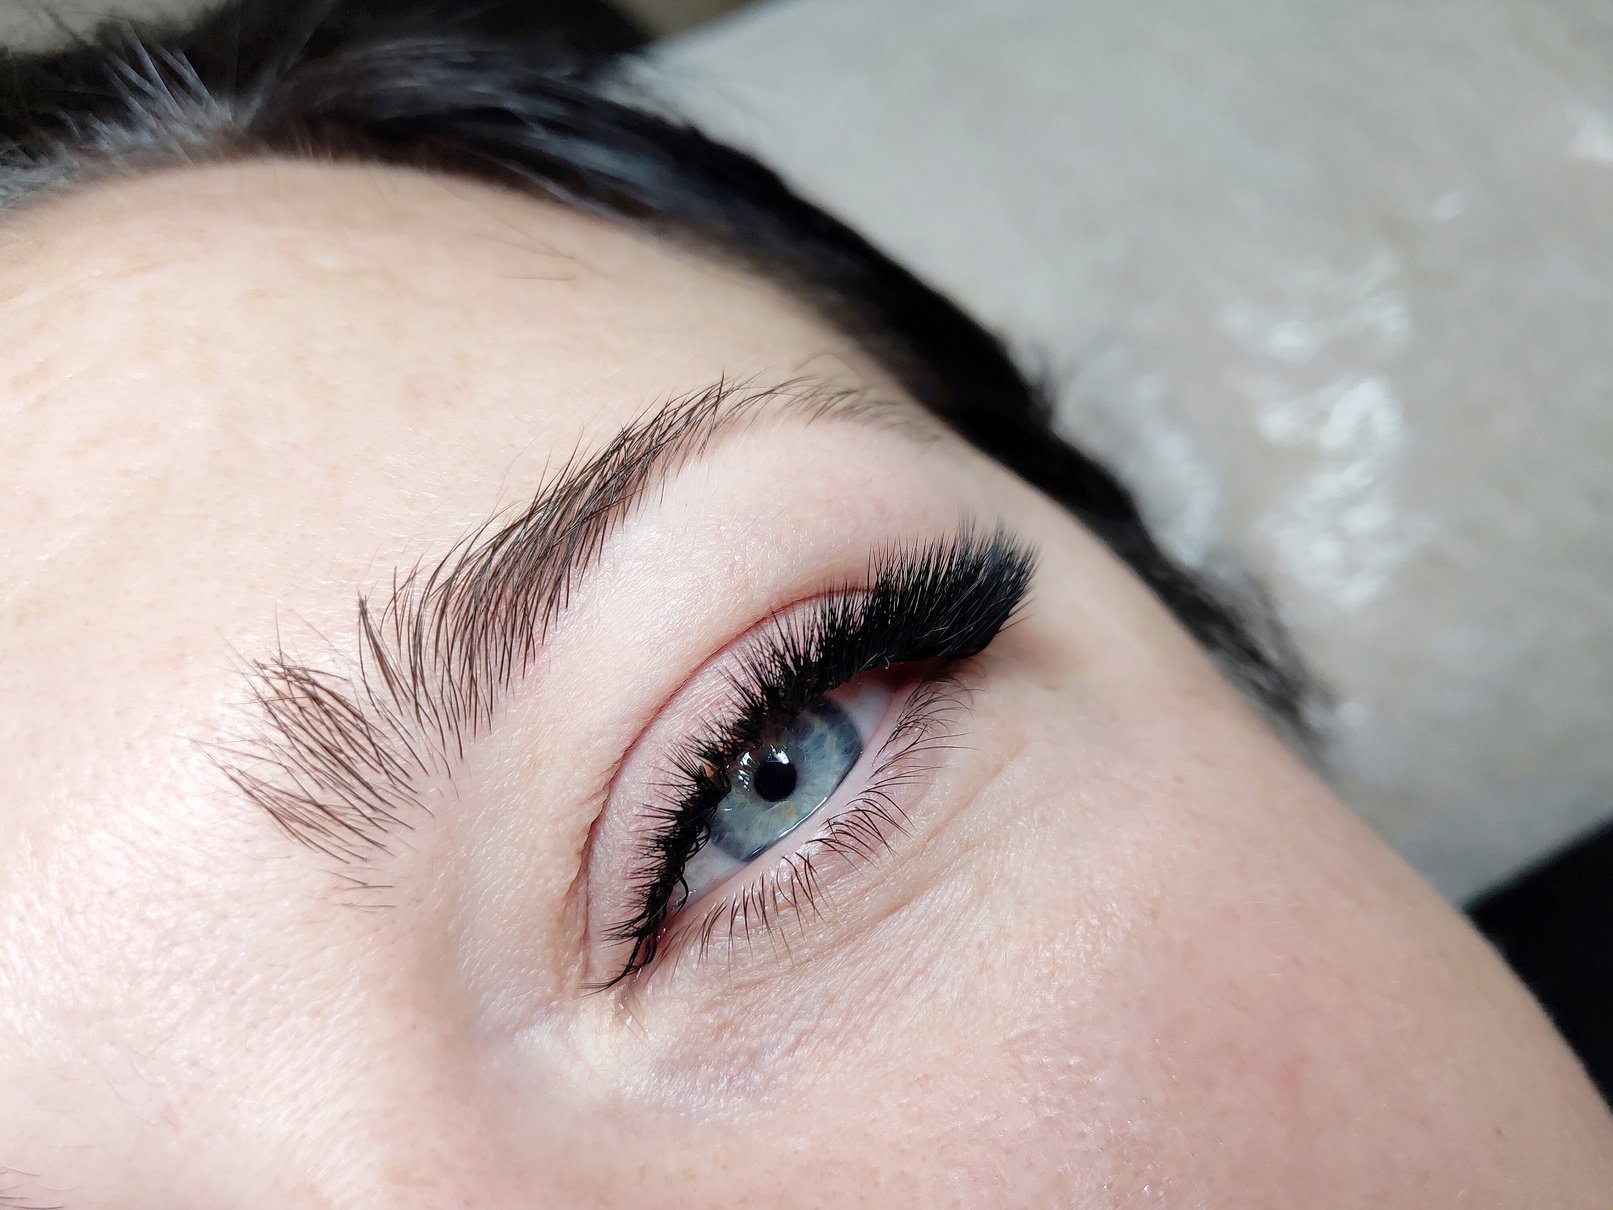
774	779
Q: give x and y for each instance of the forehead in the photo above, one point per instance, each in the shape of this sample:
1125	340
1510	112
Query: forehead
232	393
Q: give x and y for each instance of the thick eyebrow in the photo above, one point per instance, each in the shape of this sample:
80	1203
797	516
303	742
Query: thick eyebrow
339	758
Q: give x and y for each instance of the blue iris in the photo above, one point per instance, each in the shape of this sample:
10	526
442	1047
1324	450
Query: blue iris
780	783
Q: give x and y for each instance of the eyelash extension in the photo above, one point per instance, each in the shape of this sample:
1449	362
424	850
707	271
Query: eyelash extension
933	603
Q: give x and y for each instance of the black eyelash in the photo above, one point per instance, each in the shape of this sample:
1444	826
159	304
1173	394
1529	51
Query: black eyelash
932	603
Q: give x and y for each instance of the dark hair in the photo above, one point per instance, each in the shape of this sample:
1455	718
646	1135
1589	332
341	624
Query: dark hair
492	89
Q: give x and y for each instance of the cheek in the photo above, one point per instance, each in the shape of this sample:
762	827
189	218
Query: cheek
1222	983
1155	975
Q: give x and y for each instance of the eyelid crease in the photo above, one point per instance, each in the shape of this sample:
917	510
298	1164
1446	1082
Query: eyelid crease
338	759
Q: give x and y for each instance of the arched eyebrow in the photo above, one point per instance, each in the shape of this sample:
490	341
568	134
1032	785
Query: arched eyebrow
338	758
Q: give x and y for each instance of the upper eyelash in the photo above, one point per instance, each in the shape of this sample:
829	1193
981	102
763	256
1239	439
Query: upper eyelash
937	602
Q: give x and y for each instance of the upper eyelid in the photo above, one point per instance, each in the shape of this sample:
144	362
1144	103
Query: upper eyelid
339	758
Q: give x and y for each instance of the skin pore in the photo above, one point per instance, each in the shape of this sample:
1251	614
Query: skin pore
1126	950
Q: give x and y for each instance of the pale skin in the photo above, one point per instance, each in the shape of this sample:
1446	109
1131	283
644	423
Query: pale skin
1129	951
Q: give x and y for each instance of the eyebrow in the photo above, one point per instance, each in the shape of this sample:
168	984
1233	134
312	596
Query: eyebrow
338	758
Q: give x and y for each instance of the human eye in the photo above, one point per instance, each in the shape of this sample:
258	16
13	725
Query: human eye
804	752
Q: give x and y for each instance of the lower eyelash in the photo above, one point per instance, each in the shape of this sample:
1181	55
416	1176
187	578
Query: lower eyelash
858	832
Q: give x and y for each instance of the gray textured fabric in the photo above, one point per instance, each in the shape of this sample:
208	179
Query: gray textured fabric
36	24
1330	283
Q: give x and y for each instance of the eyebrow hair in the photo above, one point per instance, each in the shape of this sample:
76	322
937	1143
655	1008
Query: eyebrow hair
338	758
14	1194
